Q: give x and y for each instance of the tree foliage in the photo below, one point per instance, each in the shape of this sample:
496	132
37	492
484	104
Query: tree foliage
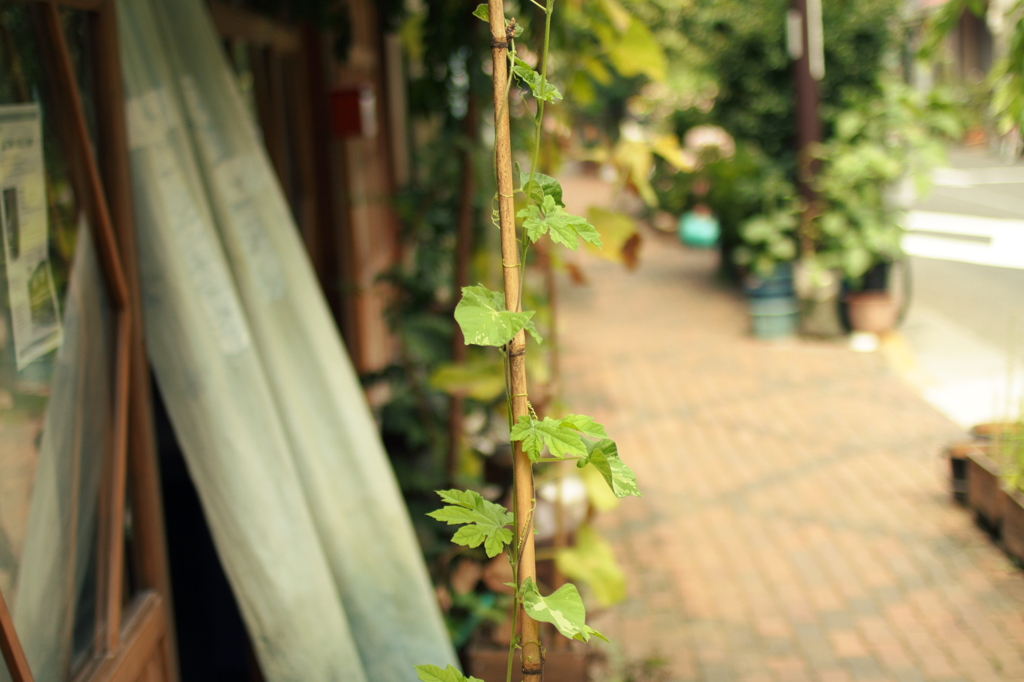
744	47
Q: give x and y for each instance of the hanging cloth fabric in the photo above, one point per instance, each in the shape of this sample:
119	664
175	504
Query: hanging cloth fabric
220	402
357	512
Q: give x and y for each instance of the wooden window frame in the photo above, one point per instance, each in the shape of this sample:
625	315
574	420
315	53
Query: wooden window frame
134	642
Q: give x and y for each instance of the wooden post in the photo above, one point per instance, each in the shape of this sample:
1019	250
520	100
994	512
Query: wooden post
533	664
808	124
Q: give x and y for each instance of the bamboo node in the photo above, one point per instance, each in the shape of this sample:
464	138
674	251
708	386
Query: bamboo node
498	44
518	354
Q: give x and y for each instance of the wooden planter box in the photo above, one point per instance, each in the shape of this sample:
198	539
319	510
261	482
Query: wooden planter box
992	430
1013	524
560	665
984	490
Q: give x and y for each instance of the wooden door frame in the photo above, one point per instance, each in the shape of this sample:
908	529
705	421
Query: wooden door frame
138	639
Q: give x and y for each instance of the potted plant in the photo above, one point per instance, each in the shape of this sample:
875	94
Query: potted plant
765	253
877	143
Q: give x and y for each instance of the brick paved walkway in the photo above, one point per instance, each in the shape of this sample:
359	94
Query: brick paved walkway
796	524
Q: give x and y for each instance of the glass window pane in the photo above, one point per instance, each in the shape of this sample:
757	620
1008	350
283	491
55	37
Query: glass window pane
55	354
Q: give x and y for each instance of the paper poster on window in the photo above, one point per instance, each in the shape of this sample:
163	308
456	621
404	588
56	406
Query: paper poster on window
35	313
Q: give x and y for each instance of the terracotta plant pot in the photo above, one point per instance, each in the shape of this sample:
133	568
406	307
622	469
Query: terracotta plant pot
984	491
1013	524
872	311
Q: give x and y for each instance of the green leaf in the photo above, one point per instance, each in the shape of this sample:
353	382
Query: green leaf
833	223
599	494
757	230
783	249
541	88
604	455
617	230
485	521
454	515
598	71
618	14
530	327
462	498
563	609
484	321
482	380
637	52
533	222
585	425
475	535
742	255
560	439
591	560
482	12
849	124
563	227
541	186
856	261
431	673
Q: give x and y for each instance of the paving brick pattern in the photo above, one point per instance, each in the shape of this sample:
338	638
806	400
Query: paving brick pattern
796	523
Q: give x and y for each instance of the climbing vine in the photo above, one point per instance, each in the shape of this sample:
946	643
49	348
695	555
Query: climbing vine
496	319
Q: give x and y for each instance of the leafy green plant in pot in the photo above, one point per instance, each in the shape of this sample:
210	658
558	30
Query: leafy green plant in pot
769	245
767	249
878	142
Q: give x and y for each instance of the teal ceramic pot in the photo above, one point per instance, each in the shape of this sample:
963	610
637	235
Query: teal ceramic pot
699	229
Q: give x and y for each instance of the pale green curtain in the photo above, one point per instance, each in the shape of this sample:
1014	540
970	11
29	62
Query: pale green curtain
265	402
217	394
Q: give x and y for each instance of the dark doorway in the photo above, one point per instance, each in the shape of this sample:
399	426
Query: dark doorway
213	645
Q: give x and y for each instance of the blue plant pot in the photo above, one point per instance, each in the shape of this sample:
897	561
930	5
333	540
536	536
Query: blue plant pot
774	317
779	284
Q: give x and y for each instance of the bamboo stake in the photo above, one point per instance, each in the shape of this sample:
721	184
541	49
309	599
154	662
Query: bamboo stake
533	664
